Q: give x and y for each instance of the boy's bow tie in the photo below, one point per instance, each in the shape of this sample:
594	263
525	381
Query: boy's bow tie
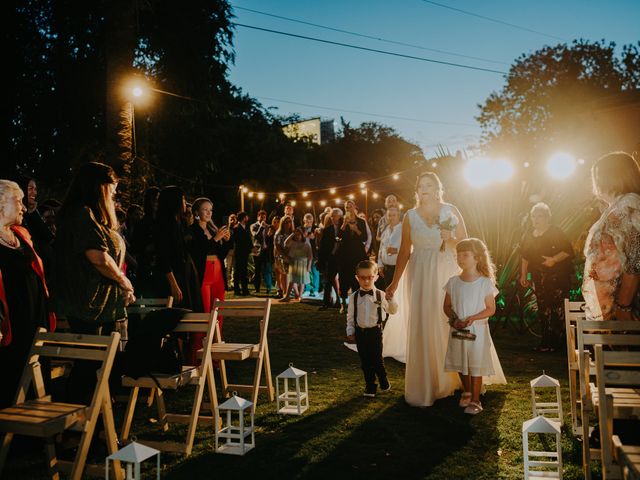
366	292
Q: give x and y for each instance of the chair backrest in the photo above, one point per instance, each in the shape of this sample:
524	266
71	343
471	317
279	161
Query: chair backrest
615	369
70	346
142	306
206	323
245	308
573	313
612	333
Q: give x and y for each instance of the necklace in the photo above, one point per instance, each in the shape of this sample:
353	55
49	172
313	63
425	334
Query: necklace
14	243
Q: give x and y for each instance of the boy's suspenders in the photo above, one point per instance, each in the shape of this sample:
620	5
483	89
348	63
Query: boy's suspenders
381	323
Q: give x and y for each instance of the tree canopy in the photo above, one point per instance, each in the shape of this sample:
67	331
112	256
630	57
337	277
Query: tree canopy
544	91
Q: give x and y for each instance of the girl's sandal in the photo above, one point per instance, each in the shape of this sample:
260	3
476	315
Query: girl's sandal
465	399
473	408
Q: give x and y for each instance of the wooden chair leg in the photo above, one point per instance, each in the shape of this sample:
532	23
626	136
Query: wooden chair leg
6	444
195	413
256	382
586	452
51	458
574	400
152	394
213	397
223	377
128	415
162	410
267	372
83	448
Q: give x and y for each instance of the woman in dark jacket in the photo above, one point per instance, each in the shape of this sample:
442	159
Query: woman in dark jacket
547	254
175	272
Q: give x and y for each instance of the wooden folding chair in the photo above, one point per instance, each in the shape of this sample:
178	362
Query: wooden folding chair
259	351
573	313
610	333
629	459
618	388
201	377
43	418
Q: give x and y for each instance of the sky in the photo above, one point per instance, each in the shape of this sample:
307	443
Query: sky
277	69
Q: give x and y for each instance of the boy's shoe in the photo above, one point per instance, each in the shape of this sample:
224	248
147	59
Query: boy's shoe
473	408
465	399
370	392
385	387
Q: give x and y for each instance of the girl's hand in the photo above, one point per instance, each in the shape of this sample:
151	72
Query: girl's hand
524	282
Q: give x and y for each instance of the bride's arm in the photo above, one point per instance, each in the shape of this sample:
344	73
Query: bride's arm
403	256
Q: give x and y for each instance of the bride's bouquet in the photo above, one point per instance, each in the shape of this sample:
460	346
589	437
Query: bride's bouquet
448	221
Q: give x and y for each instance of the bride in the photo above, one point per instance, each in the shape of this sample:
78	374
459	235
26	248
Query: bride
427	252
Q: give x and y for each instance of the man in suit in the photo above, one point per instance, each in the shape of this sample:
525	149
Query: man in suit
260	252
242	245
328	255
289	210
353	236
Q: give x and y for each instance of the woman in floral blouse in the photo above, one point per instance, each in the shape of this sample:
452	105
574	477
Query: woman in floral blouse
612	249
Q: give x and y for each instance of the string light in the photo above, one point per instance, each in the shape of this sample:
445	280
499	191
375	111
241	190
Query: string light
293	203
375	195
308	204
396	176
323	203
304	194
260	195
401	206
434	164
244	189
351	196
250	195
332	191
338	201
363	185
526	164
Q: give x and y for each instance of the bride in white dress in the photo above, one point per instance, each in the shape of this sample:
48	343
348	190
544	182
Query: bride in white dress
424	231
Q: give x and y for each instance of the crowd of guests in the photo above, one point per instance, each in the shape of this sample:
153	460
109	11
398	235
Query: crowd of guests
96	257
87	258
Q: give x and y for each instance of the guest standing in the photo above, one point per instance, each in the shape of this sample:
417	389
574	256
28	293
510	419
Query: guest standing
309	229
23	291
547	254
300	258
242	246
612	250
353	235
260	252
176	274
281	260
90	288
328	255
389	247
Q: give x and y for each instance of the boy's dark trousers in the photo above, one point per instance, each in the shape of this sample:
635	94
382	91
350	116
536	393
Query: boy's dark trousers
369	342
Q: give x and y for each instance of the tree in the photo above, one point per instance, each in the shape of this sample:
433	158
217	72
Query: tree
544	92
371	147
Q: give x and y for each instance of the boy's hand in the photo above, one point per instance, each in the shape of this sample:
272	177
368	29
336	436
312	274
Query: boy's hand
351	339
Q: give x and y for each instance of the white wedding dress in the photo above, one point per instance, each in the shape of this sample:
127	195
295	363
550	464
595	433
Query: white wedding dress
428	331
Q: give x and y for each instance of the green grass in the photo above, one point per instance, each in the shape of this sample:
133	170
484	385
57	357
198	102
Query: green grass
343	435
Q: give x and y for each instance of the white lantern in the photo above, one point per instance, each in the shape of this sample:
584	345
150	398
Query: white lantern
539	464
232	437
132	456
294	399
539	390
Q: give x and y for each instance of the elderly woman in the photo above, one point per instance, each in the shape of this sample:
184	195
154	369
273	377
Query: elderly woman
23	291
547	254
612	248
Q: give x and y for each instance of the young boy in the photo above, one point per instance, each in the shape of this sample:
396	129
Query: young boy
364	326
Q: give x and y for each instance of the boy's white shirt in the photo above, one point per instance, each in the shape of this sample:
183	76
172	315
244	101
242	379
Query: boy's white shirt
368	309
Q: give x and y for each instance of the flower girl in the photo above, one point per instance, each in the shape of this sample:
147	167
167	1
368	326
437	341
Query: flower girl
469	302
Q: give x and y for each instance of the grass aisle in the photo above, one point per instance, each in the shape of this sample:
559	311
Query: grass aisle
344	435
